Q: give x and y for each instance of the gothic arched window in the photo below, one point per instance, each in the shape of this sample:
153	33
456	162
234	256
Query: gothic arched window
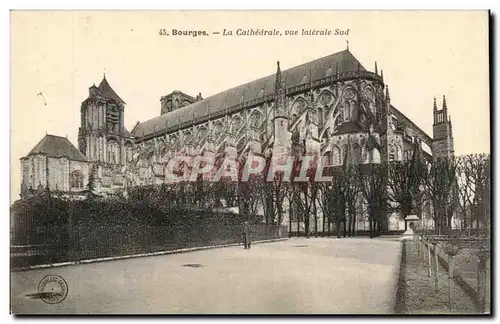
392	153
356	150
129	152
374	156
76	180
113	152
335	155
344	154
320	116
327	159
353	111
296	137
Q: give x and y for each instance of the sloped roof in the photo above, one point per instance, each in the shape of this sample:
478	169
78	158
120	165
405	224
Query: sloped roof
319	68
408	122
57	146
107	92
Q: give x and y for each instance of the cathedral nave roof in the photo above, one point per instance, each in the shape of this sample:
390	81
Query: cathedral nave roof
294	76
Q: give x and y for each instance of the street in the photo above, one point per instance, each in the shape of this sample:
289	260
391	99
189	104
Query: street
297	276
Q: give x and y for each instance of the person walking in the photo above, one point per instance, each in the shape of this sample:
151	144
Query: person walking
246	235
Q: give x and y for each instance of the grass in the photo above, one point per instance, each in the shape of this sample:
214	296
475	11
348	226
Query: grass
416	292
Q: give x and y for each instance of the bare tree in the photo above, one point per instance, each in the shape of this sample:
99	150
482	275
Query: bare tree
373	187
464	192
350	190
405	182
332	201
272	194
476	170
440	185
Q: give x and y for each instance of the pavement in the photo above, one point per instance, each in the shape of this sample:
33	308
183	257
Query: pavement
297	276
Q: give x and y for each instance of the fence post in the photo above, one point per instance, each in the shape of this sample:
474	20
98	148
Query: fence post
451	260
436	267
481	281
418	245
424	247
430	260
487	286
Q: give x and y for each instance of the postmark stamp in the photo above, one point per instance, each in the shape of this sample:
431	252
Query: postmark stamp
53	289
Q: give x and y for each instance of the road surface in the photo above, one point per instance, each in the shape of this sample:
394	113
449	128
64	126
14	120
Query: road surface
297	276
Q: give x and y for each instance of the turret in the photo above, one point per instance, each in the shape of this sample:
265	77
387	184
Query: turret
442	144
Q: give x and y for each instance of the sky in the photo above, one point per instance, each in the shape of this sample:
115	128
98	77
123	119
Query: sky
423	55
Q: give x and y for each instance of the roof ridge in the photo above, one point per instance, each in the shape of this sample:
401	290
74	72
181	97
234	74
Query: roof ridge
252	90
56	136
57	146
282	73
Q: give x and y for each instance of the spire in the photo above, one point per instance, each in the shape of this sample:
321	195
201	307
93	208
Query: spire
279	79
376	70
435	105
382	74
387	96
444	102
347	43
337	70
359	66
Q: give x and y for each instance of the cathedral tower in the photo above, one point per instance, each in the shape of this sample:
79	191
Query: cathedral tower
102	134
442	143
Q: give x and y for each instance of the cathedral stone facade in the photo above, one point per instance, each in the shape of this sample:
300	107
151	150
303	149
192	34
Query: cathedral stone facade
325	107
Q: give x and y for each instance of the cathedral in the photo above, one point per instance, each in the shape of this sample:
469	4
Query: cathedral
325	106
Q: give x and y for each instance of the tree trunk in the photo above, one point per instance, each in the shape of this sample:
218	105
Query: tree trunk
353	216
477	222
481	283
323	224
436	268
315	211
349	225
306	215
